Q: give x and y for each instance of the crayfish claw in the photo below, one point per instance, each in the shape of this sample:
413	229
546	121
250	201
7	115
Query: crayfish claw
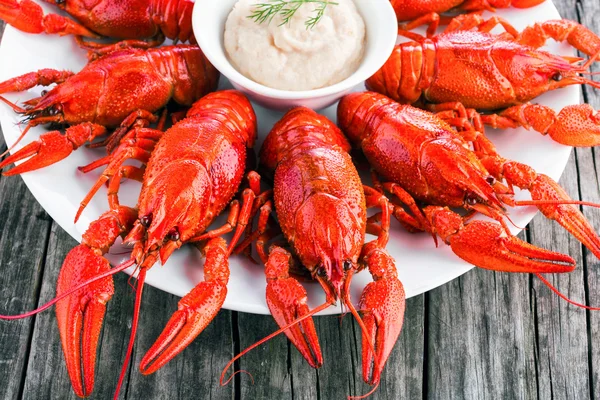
382	304
28	16
576	125
486	245
287	301
49	149
80	316
196	310
564	211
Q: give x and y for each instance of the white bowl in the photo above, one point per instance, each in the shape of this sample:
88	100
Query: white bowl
209	19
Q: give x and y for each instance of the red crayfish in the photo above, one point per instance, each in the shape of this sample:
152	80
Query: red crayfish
321	207
423	159
193	173
145	23
122	88
499	72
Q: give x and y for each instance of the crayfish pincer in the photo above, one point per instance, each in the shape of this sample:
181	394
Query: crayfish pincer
194	172
321	207
501	73
121	89
424	161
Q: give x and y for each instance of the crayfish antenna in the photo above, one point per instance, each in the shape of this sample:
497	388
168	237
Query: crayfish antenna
563	296
46	306
266	339
16	108
11	148
369	342
592	60
585	81
364	396
134	326
521	203
360	322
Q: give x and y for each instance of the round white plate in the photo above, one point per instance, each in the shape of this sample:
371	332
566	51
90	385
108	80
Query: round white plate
421	266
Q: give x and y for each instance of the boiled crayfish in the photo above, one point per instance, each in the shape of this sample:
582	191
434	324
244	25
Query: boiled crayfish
122	88
322	210
423	159
195	170
142	23
499	72
418	10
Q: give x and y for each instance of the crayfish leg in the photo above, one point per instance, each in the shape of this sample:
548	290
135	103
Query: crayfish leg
561	30
196	310
43	77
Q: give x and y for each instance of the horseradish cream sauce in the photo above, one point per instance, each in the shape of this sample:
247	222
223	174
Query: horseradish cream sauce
290	56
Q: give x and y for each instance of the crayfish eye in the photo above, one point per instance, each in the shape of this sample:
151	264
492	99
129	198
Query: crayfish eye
557	77
55	110
490	180
173	235
471	200
321	272
146	221
43	93
347	265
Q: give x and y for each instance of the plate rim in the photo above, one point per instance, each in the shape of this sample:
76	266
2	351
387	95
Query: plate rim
229	304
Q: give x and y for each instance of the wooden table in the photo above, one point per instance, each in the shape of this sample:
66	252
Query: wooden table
484	335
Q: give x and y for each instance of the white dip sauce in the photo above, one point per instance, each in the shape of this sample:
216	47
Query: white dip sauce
292	57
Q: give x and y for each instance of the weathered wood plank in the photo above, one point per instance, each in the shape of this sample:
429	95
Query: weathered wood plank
192	374
268	363
588	162
562	330
481	338
562	363
23	241
590	191
2	143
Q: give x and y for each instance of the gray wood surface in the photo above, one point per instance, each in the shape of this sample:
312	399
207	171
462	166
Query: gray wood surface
483	336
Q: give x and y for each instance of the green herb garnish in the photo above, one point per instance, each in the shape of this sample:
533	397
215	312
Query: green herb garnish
265	12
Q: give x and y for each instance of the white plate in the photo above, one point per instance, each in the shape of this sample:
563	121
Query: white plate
421	266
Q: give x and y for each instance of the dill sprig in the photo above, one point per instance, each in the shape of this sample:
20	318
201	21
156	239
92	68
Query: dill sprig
265	12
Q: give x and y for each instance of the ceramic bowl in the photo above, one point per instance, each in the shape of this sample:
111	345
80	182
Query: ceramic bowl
209	19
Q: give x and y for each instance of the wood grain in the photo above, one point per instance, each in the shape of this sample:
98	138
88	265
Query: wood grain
588	12
23	242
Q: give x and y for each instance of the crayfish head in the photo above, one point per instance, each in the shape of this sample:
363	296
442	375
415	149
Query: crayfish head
147	251
171	209
537	72
328	239
44	109
335	277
